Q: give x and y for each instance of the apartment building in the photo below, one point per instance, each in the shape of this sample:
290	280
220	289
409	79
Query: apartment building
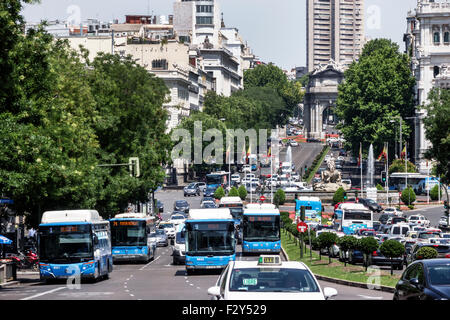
335	31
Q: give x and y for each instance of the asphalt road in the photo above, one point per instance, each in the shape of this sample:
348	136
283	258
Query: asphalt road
156	280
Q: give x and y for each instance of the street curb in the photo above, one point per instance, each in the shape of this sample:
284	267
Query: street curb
10	283
346	282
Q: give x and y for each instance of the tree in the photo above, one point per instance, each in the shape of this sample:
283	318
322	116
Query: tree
131	123
242	192
377	88
367	246
233	192
339	195
398	165
437	131
272	76
219	193
408	196
207	123
392	249
435	193
279	197
345	244
327	240
426	253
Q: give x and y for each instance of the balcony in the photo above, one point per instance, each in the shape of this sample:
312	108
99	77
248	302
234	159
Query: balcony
433	8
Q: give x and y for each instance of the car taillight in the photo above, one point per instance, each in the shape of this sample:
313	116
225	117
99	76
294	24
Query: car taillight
447	255
374	254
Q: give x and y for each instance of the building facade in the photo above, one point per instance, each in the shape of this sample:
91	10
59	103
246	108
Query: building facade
335	31
320	98
427	41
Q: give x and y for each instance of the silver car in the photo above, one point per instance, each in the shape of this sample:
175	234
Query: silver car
159	237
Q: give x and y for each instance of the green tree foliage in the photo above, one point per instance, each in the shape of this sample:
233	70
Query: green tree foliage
233	192
392	249
435	193
376	89
279	197
437	131
398	165
367	246
219	193
272	76
132	123
327	240
345	244
426	253
207	122
408	196
61	116
339	195
242	192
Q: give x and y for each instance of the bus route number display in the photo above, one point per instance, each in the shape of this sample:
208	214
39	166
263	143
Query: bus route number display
261	219
69	229
125	223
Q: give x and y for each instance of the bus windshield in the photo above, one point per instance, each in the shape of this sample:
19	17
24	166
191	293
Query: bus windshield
237	213
261	228
357	215
128	233
213	179
65	244
210	238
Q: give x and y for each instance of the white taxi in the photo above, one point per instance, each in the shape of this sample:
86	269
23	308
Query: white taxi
269	278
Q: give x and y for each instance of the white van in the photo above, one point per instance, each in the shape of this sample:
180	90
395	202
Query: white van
286	168
399	229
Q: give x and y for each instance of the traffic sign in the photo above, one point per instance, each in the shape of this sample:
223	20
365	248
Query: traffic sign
262	198
302	227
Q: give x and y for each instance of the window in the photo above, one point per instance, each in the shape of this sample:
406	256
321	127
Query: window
436	37
436	71
204	20
447	37
160	64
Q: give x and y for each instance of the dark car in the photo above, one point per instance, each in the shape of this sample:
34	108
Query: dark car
181	205
425	280
385	217
209	192
376	225
372	205
443	251
378	259
191	190
160	206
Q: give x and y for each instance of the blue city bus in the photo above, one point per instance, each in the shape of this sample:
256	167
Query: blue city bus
351	217
210	239
313	208
74	244
216	179
129	237
261	229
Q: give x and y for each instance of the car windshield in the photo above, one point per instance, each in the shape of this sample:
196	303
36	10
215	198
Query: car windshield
177	217
160	232
272	280
439	275
414	218
166	225
181	203
428	235
192	186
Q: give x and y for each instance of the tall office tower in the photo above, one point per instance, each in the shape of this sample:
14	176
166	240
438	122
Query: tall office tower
335	31
196	20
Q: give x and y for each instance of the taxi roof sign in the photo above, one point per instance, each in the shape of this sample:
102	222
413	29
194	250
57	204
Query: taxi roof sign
266	260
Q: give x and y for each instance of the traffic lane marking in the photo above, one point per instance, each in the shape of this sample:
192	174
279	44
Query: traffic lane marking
156	259
43	293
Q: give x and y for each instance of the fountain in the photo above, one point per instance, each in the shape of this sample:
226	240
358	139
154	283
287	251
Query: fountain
289	154
371	189
370	167
331	179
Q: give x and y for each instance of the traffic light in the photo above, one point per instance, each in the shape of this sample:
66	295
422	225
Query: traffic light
446	208
383	176
302	213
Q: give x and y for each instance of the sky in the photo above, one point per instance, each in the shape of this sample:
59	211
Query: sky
274	29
